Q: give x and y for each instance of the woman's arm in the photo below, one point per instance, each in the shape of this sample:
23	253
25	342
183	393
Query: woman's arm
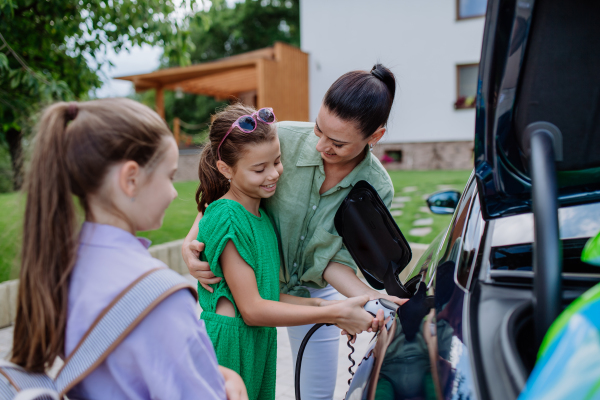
190	251
348	315
345	281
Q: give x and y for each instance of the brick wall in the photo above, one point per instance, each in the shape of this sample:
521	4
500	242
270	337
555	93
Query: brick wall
428	155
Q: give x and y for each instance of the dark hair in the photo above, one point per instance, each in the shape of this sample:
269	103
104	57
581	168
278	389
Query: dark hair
363	97
213	185
75	145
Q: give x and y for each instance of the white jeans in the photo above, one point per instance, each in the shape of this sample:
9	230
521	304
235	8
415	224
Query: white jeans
320	360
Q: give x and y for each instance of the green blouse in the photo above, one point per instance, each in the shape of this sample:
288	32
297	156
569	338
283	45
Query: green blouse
303	218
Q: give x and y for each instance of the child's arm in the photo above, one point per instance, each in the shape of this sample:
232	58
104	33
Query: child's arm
348	315
301	301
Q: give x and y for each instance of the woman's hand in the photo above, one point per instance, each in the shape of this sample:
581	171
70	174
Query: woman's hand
377	295
190	251
352	317
198	269
234	385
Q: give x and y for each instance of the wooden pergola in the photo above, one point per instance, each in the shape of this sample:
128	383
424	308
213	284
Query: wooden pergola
274	77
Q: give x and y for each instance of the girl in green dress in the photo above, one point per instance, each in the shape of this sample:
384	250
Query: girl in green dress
239	167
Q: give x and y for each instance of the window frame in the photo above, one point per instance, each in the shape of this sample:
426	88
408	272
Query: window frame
459	18
457	94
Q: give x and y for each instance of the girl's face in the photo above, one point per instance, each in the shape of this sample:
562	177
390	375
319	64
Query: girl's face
135	198
340	141
257	171
155	192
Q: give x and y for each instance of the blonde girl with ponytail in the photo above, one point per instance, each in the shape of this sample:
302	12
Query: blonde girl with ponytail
117	158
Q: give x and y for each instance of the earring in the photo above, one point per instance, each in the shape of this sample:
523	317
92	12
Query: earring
370	147
229	180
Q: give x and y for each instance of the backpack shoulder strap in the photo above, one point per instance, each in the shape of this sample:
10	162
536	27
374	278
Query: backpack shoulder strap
117	320
16	379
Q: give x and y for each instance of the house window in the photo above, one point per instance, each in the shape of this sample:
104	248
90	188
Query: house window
392	156
466	85
470	8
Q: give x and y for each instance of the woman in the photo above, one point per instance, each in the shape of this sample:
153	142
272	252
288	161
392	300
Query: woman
322	161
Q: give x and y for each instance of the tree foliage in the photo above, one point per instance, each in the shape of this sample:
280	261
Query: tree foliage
222	31
249	25
54	50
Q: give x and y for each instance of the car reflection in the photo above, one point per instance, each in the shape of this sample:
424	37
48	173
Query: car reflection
426	360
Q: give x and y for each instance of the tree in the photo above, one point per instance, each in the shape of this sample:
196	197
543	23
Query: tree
54	50
249	25
222	31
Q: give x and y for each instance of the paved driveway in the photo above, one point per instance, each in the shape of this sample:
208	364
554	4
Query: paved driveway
285	369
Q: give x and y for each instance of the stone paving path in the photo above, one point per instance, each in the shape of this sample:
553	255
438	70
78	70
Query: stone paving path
285	369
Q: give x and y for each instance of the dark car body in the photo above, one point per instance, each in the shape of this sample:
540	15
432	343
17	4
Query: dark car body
472	330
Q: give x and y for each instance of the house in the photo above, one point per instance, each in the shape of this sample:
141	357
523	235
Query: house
433	48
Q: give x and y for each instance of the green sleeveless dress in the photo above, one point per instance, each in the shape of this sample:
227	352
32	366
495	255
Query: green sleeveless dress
251	351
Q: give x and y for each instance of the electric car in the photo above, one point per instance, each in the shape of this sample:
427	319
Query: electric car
487	289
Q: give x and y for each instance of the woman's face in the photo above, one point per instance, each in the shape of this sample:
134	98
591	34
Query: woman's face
341	141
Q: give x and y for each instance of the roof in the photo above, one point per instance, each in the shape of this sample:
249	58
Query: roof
219	78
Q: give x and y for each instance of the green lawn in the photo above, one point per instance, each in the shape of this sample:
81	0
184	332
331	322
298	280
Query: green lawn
417	185
11	211
179	216
409	186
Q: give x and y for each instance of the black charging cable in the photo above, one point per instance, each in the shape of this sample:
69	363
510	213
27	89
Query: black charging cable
301	353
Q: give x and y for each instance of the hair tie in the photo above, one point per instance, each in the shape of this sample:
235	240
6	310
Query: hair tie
72	111
377	73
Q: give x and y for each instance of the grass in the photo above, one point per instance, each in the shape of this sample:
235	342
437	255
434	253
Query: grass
179	216
412	186
12	206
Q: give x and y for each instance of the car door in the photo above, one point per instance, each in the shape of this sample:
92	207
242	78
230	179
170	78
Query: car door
424	355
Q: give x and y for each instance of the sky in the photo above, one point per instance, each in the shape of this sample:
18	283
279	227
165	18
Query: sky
139	61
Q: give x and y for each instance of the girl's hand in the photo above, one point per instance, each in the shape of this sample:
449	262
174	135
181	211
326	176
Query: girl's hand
377	322
351	316
234	385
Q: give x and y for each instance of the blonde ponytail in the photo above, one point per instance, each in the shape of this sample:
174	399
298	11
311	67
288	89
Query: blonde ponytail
75	144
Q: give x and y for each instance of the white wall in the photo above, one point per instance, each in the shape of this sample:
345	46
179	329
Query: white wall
419	40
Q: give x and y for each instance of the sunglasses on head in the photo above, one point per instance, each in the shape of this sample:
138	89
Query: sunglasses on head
248	123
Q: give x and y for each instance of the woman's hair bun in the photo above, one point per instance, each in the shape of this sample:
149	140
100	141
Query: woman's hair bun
363	97
386	76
